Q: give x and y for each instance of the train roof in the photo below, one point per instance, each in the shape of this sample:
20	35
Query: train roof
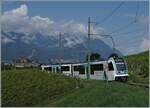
79	63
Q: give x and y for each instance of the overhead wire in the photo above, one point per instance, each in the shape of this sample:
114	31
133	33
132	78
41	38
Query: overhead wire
137	11
75	54
123	27
109	15
130	23
132	40
129	32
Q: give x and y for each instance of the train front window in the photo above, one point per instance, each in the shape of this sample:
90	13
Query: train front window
121	66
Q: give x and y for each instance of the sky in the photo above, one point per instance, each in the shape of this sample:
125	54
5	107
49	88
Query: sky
71	17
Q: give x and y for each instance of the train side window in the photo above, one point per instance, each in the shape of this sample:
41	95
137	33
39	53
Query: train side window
110	66
65	68
46	68
76	68
57	69
96	67
81	69
50	68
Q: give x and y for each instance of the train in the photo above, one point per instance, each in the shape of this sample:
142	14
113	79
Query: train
114	68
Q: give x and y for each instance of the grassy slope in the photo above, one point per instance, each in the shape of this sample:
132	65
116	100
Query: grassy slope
35	88
101	93
138	66
32	87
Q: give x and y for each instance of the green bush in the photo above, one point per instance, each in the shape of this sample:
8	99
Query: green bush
6	67
138	66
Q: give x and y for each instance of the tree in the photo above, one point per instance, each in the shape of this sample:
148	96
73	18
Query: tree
93	56
114	55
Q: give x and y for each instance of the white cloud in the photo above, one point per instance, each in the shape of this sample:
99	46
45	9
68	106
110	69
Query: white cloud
21	11
27	39
7	40
73	27
17	20
41	25
134	47
141	19
14	19
145	44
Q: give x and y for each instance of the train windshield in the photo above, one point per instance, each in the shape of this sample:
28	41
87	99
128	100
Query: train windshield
121	66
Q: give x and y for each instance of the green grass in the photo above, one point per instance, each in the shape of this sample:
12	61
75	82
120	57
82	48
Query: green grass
103	94
35	88
138	66
32	87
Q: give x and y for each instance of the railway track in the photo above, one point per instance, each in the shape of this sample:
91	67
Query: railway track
138	84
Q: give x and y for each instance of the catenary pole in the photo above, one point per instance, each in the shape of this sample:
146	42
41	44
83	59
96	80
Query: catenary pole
60	51
89	47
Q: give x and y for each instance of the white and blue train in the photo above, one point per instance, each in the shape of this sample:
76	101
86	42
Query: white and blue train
111	69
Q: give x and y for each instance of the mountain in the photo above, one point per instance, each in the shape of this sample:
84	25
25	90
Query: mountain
43	48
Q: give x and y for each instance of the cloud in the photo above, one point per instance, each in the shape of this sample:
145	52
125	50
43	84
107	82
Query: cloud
133	46
73	27
6	40
141	19
14	19
17	20
145	44
27	39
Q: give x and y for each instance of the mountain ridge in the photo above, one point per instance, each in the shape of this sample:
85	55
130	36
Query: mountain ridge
47	47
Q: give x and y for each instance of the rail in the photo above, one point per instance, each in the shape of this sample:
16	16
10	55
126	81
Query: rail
138	84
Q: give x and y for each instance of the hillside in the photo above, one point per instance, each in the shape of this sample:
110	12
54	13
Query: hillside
32	87
138	66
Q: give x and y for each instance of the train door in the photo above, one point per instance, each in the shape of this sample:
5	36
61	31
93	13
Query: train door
57	69
50	69
54	69
97	71
110	72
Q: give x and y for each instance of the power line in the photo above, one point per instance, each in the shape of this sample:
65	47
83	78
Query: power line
123	27
132	40
129	32
130	23
109	15
137	11
110	37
